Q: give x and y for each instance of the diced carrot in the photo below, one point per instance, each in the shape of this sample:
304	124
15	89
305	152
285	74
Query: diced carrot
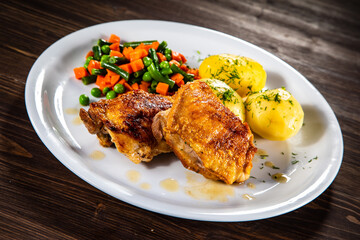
174	62
176	56
114	53
177	77
155	45
122	81
143	53
127	86
93	64
140	46
162	88
180	83
127	52
135	86
184	67
183	59
80	72
114	39
145	86
144	47
161	57
114	79
115	46
195	72
134	55
126	67
90	53
111	73
103	81
137	65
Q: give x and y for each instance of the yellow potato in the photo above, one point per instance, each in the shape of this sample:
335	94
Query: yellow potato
228	96
242	74
274	114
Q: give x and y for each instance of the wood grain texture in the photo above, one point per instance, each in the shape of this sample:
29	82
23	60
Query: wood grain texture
41	199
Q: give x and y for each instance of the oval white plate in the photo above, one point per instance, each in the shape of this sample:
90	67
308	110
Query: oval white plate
311	159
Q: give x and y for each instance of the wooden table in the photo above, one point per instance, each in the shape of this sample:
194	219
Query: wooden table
42	199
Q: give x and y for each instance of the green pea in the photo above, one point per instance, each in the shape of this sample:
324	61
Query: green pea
96	92
105	58
119	88
84	100
168	56
112	60
146	77
111	94
166	71
106	90
147	61
105	49
164	64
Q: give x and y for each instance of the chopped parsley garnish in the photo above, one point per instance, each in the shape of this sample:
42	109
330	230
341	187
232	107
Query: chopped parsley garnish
294	162
277	98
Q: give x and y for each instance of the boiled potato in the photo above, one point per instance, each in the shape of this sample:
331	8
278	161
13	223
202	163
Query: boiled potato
274	114
242	74
228	96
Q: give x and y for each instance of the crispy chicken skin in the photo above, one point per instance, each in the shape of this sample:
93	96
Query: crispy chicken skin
126	121
205	135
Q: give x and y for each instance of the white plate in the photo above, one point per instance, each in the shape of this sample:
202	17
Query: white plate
52	95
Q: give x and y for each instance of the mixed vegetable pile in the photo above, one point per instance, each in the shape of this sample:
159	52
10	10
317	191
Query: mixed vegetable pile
148	65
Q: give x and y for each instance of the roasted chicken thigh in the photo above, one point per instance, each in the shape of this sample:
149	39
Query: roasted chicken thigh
205	135
126	122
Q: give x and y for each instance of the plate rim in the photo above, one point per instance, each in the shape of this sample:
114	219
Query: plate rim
39	129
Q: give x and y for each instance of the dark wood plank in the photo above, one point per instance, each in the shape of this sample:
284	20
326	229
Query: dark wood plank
41	199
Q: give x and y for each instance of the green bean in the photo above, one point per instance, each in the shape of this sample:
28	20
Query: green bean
88	59
89	79
154	58
117	60
105	49
84	100
102	42
135	80
139	73
97	52
95	71
156	75
135	44
187	76
153	85
112	67
162	47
